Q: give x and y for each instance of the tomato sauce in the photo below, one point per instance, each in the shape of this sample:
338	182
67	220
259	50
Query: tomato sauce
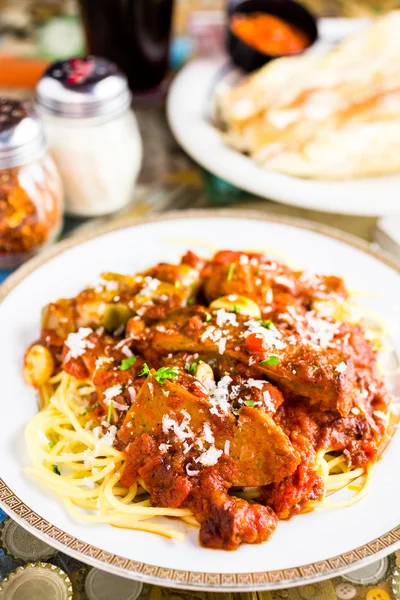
269	34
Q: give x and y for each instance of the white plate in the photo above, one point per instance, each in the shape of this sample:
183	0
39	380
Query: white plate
188	109
307	548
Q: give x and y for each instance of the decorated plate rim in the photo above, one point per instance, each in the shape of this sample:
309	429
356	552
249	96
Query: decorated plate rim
185	579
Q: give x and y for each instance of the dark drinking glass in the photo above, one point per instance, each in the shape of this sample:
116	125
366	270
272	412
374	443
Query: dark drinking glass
133	33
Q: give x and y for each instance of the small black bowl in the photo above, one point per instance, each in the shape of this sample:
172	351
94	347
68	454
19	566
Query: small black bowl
246	56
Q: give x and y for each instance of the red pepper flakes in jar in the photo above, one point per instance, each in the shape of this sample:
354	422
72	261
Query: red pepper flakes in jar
30	187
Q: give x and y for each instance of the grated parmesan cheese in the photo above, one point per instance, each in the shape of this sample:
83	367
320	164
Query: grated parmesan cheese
187	447
380	414
227	447
42	437
190	471
268	401
208	434
210	457
164	447
218	396
224	317
112	392
77	342
256	383
341	367
126	351
151	285
322	331
271	337
221	345
212	333
119	406
88	482
88	458
104	284
132	394
181	431
107	439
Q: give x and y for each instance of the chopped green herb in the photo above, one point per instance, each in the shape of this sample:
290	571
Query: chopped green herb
236	411
110	410
127	362
270	361
236	309
258	272
90	408
191	301
165	373
267	324
56	470
232	268
51	444
315	366
249	402
191	367
145	371
208	317
177	284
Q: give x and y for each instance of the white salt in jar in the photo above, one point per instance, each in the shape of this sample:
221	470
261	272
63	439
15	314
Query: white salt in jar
92	133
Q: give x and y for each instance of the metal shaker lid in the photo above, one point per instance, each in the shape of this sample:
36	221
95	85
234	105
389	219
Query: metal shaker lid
83	87
21	133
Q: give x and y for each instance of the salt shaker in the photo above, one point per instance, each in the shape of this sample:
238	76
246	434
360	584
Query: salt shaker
30	187
92	133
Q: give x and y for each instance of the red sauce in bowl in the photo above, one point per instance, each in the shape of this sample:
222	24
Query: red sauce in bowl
269	34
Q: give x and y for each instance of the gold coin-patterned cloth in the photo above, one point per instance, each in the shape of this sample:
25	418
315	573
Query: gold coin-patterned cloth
30	569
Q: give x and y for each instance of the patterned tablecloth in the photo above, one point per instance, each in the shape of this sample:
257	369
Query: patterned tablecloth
31	570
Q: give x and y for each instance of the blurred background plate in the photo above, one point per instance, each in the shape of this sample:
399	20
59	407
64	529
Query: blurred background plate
189	110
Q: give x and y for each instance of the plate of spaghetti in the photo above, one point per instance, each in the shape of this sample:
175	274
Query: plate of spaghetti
205	381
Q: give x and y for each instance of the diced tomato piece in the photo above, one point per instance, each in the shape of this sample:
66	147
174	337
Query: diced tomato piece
227	256
255	344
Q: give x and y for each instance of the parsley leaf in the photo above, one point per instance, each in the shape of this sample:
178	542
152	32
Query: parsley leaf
236	411
249	402
165	373
315	366
191	367
178	285
145	371
270	361
236	309
51	444
56	470
208	317
127	362
110	410
232	268
90	408
267	324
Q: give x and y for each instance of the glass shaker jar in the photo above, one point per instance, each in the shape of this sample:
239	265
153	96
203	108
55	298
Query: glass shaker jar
92	133
30	187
